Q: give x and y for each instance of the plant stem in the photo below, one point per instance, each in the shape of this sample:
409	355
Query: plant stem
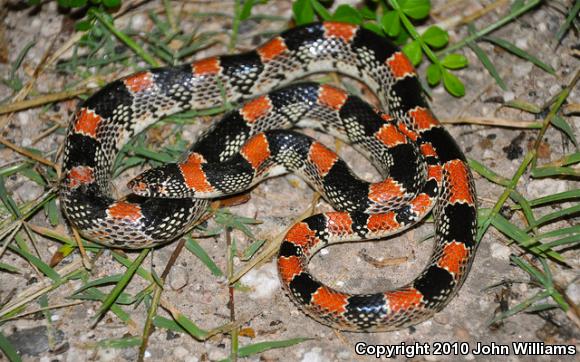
411	29
235	25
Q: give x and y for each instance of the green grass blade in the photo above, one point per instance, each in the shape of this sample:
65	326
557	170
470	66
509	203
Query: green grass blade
252	249
523	106
111	279
196	249
512	48
97	295
162	322
7	199
124	38
534	273
541	172
487	172
190	327
114	294
9	268
125	342
127	263
561	124
512	231
522	238
8	349
557	215
525	206
569	19
560	232
520	307
260	347
484	59
42	266
52	212
573	239
559	197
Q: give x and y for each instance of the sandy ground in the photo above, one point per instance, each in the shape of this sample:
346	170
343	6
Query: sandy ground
270	315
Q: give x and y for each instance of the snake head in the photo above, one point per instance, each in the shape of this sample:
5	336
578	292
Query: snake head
163	182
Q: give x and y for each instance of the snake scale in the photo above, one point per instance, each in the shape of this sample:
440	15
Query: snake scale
423	168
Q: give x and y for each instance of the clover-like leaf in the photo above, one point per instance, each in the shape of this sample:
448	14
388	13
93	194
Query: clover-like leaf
391	23
347	14
454	61
416	9
303	12
413	51
433	74
111	3
453	84
435	37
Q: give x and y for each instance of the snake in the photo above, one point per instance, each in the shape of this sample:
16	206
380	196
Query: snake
422	167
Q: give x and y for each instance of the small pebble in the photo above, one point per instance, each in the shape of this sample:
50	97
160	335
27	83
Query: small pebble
343	355
522	69
263	281
573	291
107	354
542	27
314	355
180	353
555	89
178	278
508	96
539	188
441	318
500	251
469	357
216	355
522	43
462	334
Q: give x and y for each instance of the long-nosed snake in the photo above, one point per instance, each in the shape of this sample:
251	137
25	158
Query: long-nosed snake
423	167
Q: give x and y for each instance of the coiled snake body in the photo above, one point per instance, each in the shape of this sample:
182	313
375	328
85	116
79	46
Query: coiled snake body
423	167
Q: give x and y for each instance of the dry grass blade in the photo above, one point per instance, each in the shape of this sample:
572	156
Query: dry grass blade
50	307
28	154
493	121
86	261
44	99
40	288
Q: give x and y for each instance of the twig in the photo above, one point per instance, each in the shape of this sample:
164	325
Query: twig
27	153
86	261
231	302
44	99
